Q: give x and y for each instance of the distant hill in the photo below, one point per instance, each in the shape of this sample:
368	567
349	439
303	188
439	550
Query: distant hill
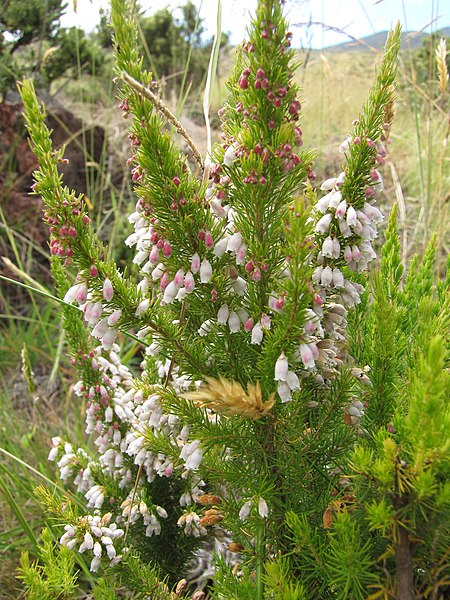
410	39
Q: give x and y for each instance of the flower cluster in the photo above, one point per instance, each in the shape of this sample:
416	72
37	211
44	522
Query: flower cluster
97	535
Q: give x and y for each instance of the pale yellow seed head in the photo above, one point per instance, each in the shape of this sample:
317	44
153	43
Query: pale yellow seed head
441	53
229	398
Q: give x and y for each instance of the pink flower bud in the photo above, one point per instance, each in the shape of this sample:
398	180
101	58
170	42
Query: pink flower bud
164	281
209	242
307	356
108	291
243	82
81	294
256	275
179	278
195	263
189	282
167	249
154	255
248	325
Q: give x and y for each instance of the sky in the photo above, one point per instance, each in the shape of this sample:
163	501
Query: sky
354	18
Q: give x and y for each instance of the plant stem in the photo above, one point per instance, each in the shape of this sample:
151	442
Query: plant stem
259	562
403	563
144	91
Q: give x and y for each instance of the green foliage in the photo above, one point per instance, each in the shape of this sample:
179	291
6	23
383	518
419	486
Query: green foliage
53	575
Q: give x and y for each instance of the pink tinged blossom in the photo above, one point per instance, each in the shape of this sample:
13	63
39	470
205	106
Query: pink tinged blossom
351	216
154	255
328	184
345	145
195	263
323	204
244	513
88	541
234	242
248	325
109	338
281	368
179	278
95	313
340	180
108	291
216	208
209	242
241	254
341	209
284	391
323	224
71	293
234	322
205	271
327	247
170	292
167	249
357	227
293	381
189	282
158	272
81	293
223	314
326	277
141	256
335	200
336	248
344	228
263	509
95	564
373	213
317	275
314	350
229	156
256	275
338	278
257	334
348	254
307	356
221	247
356	253
239	286
97	550
142	307
164	281
101	328
265	321
194	460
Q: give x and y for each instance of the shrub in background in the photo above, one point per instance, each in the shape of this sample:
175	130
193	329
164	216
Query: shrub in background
287	433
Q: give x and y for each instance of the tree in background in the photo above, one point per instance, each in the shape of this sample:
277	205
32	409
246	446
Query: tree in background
176	48
33	43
